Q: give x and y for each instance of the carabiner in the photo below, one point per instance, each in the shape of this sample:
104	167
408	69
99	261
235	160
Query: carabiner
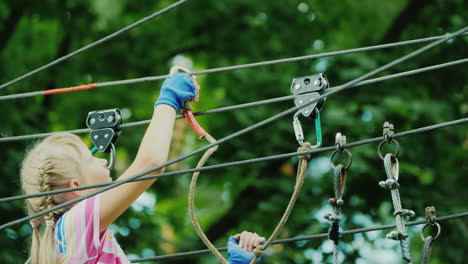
300	134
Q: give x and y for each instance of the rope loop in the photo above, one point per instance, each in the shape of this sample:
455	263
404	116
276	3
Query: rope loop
259	251
305	147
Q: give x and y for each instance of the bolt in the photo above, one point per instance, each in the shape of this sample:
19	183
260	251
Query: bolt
300	101
340	202
93	120
110	119
297	86
106	135
316	82
101	147
331	201
96	137
306	112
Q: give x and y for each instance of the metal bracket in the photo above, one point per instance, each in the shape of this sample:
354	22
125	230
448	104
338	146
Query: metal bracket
105	129
307	89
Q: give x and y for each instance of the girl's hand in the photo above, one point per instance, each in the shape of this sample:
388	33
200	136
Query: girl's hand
176	90
248	240
179	69
240	247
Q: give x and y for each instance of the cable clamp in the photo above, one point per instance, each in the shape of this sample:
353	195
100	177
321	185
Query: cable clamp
336	202
332	217
388	131
105	129
389	184
404	213
396	235
431	216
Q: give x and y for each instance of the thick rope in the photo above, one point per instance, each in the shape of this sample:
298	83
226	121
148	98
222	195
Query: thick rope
301	170
191	200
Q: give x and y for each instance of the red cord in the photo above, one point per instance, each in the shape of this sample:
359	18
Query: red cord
194	124
70	89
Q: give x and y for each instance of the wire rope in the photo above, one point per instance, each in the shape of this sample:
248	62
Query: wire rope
220	69
245	105
249	161
96	43
245	130
304	238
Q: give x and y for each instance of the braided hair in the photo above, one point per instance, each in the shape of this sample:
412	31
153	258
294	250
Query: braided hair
49	165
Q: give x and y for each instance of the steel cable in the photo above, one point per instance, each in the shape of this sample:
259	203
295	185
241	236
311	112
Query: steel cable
249	161
245	130
96	43
221	69
305	238
242	106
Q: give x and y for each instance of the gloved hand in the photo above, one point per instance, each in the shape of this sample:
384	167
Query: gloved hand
176	90
238	255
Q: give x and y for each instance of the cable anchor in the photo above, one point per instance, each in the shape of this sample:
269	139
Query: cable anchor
431	217
388	132
307	89
105	129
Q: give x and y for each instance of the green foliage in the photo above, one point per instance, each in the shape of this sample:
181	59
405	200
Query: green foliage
220	33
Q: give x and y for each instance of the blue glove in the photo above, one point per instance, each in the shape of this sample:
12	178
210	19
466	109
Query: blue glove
238	255
176	90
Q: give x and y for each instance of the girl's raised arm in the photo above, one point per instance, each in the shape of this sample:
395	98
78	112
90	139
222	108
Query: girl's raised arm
154	147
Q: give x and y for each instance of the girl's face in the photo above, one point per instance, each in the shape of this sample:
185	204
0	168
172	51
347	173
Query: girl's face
94	170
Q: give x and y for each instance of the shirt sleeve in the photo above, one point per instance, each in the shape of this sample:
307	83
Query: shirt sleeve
77	231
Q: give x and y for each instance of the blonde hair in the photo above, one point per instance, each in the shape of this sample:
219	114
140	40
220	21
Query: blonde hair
49	165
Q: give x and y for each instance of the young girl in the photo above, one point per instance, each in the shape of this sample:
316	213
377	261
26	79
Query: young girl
80	233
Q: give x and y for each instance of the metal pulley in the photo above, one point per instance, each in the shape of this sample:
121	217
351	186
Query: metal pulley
307	89
105	129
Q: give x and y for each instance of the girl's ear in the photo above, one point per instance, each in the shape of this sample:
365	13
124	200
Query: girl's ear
75	183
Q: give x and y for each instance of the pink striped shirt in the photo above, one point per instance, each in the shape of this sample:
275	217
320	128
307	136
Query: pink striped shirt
78	239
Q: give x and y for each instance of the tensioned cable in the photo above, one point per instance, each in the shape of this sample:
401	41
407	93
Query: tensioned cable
243	131
305	238
100	41
221	69
246	162
242	106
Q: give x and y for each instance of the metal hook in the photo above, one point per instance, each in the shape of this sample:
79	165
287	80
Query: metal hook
112	157
300	134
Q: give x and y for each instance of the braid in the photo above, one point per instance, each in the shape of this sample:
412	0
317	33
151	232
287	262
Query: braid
48	166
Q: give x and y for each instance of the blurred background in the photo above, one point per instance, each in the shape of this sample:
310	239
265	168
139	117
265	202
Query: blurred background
215	33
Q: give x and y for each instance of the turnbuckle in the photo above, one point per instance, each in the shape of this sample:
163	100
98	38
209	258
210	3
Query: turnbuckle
307	89
105	129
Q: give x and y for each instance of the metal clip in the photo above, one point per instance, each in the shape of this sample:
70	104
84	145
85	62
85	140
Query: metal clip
308	89
405	213
430	214
389	184
105	129
388	131
396	235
